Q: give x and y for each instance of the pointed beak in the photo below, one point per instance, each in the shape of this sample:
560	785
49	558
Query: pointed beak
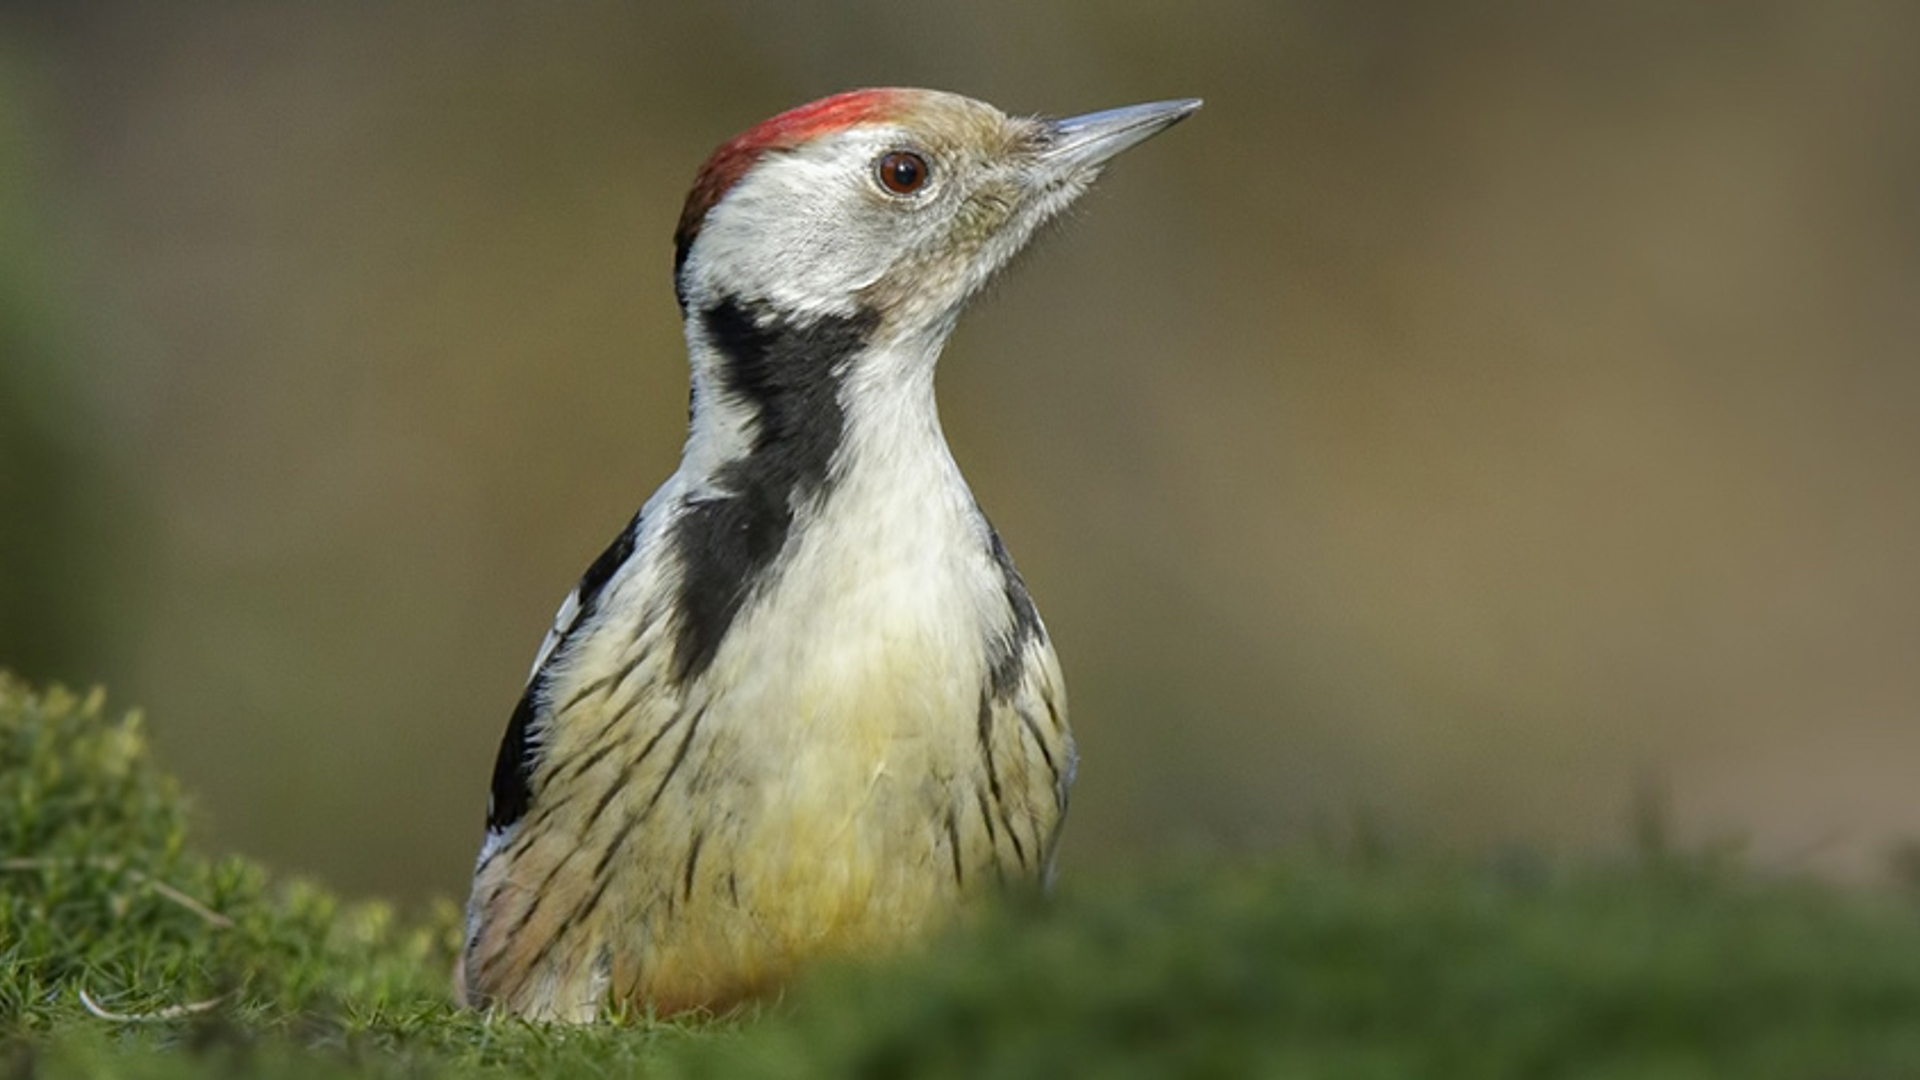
1086	142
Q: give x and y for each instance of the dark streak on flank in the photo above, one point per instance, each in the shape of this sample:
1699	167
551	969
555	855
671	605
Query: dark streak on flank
614	845
514	765
993	778
1019	849
679	757
633	821
603	737
582	912
789	374
953	846
1006	652
693	861
616	679
986	818
524	839
586	692
626	771
539	895
993	834
1040	743
986	747
610	682
588	762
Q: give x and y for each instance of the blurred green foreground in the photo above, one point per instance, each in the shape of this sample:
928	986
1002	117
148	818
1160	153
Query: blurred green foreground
126	952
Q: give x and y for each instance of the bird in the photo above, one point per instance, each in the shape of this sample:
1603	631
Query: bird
803	705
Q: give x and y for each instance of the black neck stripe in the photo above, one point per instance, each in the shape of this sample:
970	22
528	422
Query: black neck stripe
789	372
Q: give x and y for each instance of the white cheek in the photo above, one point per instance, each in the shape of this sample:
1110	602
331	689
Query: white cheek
796	232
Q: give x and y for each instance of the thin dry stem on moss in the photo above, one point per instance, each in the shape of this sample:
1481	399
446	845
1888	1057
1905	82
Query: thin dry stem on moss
115	866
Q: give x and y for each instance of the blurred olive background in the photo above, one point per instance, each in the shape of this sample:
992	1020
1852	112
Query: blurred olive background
1476	413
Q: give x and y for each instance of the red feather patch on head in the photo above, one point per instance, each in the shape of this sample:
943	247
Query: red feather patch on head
789	129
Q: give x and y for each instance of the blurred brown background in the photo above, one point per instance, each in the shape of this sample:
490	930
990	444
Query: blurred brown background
1478	411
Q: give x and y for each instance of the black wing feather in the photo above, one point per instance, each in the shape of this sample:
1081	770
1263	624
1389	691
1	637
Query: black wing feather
513	767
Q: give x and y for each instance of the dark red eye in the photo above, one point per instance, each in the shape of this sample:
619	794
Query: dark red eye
902	171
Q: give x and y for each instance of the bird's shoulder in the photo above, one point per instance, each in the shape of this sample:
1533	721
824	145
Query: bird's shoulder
1024	703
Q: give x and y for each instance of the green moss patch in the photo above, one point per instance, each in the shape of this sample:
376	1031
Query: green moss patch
124	951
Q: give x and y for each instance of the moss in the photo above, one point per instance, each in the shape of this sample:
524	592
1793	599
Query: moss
1371	963
102	895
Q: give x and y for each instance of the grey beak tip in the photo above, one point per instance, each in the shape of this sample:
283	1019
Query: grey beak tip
1092	138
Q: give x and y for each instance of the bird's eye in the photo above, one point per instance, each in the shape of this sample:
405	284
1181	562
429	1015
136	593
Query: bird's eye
902	172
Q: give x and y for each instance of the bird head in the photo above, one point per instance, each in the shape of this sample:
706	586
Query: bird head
897	203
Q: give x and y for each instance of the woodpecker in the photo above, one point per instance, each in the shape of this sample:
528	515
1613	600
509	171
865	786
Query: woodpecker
803	704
